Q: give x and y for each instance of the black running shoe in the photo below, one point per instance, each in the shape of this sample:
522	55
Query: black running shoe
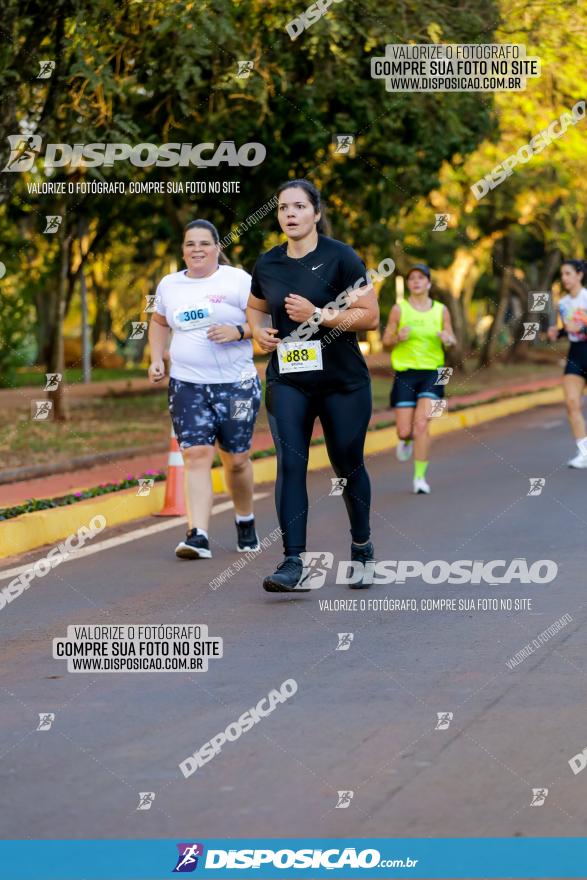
287	576
247	537
363	554
194	547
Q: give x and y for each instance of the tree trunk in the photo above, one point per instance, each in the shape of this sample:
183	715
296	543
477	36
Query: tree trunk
103	321
489	349
56	359
455	355
456	285
522	290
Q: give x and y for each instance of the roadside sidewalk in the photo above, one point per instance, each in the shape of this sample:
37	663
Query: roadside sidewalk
14	398
12	494
55	485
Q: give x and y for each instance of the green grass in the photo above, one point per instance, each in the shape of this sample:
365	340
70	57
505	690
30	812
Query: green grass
33	377
29	377
107	423
97	425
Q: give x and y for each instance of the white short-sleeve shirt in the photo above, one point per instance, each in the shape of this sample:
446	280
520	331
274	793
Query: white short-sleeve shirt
570	306
191	306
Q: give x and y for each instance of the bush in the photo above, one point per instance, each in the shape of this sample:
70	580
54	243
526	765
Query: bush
15	326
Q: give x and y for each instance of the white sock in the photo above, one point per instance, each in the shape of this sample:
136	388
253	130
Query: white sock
247	518
202	532
582	446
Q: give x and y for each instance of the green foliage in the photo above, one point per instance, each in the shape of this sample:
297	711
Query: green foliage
165	71
15	325
157	72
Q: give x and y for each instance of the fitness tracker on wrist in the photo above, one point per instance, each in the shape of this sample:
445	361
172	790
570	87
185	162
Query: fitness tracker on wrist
318	315
241	331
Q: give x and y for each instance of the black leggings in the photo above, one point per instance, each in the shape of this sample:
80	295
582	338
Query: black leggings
345	418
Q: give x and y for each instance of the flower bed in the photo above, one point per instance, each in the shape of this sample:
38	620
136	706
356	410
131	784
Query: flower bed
33	504
73	497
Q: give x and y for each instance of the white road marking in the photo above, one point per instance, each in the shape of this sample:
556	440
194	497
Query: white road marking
124	539
545	426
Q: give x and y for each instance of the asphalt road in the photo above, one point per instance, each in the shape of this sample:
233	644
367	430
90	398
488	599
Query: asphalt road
363	719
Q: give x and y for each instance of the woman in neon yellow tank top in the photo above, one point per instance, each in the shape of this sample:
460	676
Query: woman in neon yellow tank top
417	330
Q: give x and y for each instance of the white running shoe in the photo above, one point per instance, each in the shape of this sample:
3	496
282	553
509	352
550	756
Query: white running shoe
579	461
404	449
421	487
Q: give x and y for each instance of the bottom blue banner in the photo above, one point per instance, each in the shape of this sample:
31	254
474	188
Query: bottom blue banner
551	857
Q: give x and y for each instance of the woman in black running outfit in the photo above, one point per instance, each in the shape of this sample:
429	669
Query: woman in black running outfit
316	369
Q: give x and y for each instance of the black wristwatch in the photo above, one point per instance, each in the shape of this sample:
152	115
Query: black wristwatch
241	331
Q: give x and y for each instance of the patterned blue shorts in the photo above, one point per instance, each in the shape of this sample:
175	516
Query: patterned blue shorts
202	414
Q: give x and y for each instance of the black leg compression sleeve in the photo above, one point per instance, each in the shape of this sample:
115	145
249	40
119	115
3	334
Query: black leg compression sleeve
344	418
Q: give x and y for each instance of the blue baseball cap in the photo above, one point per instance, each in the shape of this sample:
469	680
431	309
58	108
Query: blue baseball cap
420	267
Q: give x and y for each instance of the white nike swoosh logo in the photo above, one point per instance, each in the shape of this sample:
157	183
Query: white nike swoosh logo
317	267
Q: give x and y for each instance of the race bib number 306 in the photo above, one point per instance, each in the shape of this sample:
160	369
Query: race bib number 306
297	357
193	317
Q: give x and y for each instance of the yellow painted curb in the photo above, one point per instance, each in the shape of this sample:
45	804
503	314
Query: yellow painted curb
32	530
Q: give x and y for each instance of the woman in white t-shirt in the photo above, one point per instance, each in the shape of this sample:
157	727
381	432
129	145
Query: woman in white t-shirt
573	312
214	390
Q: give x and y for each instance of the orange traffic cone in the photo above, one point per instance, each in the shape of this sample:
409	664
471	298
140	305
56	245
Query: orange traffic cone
174	504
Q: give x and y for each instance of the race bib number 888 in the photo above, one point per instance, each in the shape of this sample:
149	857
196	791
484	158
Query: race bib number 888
298	357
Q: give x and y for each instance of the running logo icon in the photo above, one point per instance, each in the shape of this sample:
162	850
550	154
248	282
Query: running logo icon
338	484
344	641
188	857
444	719
46	719
52	381
444	374
23	152
539	795
538	300
46	68
241	409
151	299
246	379
146	799
530	331
437	408
52	223
536	485
145	486
41	410
244	69
138	329
343	143
316	565
441	222
344	799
